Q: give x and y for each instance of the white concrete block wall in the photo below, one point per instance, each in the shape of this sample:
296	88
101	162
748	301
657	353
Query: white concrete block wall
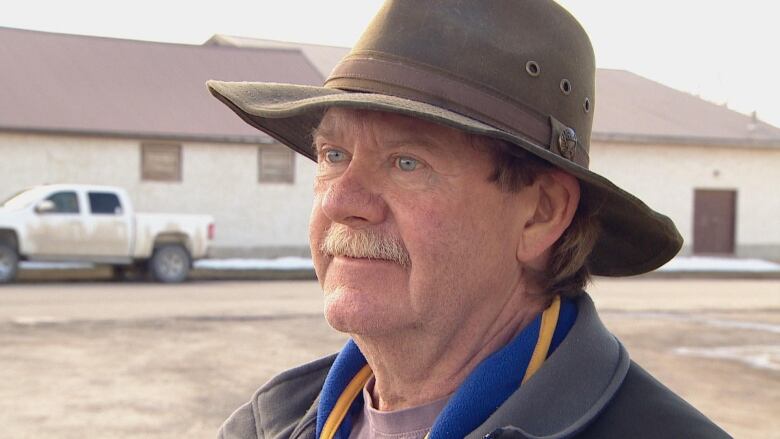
225	179
221	180
27	160
217	179
665	176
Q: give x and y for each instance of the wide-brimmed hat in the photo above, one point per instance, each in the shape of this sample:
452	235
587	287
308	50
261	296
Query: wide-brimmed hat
518	70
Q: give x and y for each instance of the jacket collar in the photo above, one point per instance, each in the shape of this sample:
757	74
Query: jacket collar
572	388
560	399
307	428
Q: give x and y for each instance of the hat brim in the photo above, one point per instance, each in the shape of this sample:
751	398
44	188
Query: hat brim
634	238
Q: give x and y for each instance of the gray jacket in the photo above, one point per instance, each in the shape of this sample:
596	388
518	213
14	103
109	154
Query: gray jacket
588	388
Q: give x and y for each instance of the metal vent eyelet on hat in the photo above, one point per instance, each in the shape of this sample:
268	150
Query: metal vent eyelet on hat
586	105
533	69
566	86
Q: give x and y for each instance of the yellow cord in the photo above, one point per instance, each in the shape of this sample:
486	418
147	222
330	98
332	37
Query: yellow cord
546	330
344	402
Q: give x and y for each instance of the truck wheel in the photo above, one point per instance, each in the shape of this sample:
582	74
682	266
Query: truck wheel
9	263
170	263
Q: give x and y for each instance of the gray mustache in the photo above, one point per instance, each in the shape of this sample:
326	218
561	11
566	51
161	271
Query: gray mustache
342	241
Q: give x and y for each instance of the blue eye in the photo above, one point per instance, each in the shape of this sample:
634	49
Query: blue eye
407	163
335	156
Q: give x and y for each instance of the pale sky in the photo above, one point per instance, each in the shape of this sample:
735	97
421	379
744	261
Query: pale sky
724	51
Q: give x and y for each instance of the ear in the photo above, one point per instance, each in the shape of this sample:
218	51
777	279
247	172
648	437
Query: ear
557	197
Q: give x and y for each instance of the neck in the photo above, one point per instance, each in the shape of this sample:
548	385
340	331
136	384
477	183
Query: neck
427	363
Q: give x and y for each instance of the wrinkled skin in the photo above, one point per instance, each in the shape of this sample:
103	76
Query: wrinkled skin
464	293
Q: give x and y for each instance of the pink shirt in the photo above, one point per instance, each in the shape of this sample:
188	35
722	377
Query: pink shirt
411	423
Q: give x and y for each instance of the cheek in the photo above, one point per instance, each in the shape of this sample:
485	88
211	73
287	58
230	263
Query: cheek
443	271
318	224
434	236
454	242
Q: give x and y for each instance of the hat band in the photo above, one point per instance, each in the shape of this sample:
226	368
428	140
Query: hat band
405	80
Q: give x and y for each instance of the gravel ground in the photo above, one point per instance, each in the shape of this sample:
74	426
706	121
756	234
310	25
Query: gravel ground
161	362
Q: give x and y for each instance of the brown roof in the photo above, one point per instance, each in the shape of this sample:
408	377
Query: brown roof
629	107
78	84
104	86
323	57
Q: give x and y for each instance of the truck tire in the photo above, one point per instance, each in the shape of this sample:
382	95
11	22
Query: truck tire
170	263
9	263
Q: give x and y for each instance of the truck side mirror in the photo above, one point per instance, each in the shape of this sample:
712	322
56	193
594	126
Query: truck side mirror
45	206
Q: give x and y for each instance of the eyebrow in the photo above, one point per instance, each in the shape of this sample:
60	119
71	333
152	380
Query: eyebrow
320	131
418	139
325	131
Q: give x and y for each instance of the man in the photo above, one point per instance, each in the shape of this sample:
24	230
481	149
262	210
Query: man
454	227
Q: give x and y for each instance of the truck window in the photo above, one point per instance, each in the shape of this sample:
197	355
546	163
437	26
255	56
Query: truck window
65	202
104	203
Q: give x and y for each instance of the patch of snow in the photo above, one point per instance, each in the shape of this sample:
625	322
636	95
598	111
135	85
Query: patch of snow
678	264
35	320
720	323
288	263
34	265
753	326
757	356
707	263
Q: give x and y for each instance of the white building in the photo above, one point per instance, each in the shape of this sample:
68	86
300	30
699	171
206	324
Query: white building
136	114
712	170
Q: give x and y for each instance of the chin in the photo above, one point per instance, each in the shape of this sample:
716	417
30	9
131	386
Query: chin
363	296
356	312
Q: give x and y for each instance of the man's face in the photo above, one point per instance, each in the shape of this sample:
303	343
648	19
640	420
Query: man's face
415	234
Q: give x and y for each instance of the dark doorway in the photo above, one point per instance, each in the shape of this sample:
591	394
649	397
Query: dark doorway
714	218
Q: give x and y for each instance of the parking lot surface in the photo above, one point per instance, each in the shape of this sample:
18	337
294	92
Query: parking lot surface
136	360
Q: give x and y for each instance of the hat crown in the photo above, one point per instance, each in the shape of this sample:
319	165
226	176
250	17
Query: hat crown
531	53
519	70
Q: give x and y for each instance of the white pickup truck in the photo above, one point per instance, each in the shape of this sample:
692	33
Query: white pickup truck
84	223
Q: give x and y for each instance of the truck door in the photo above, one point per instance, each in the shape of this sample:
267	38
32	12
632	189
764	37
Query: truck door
107	226
58	230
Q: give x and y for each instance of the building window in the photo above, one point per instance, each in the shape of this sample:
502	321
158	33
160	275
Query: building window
276	164
160	162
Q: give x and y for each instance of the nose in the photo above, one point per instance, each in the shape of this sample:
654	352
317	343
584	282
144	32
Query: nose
353	198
